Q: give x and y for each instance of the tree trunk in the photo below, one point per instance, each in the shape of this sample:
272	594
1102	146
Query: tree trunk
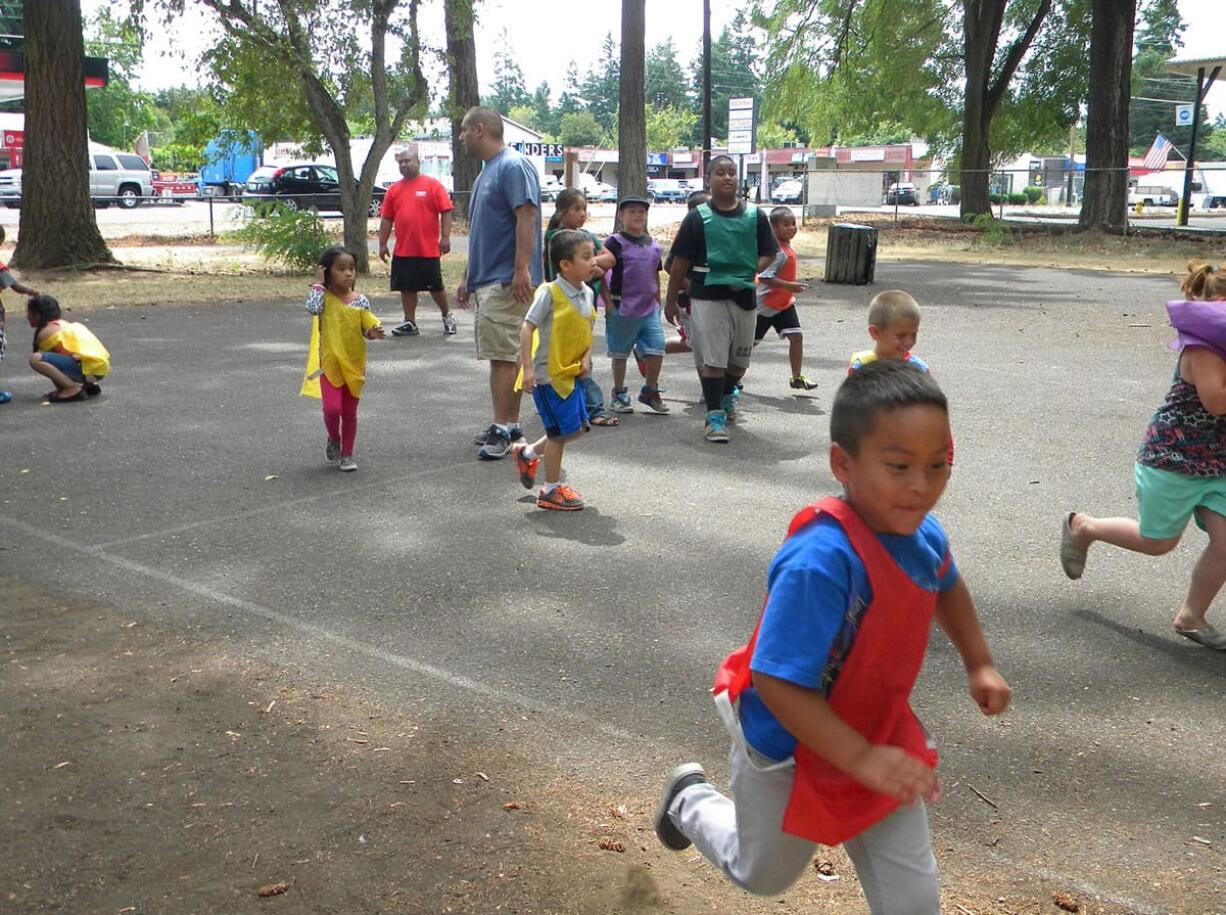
1104	203
632	118
982	21
463	92
57	227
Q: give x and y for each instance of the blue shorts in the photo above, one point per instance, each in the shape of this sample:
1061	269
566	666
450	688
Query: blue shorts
561	416
66	364
622	335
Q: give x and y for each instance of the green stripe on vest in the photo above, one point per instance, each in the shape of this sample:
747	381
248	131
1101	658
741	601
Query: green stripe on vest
732	247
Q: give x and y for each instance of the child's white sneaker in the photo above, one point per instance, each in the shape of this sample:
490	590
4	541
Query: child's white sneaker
332	451
348	464
679	779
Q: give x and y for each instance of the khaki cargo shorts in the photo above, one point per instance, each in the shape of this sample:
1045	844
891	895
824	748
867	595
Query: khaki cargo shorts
498	321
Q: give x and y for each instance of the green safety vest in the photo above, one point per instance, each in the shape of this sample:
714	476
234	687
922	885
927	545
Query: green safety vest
732	247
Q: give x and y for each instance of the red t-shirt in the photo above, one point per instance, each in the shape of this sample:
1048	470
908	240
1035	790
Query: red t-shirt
414	205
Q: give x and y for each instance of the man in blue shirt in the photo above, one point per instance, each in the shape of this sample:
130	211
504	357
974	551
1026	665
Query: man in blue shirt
504	266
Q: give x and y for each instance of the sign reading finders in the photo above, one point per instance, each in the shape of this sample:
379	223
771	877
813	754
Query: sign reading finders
1183	115
742	119
551	150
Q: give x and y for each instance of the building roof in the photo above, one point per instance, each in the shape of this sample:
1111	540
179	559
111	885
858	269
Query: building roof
1190	66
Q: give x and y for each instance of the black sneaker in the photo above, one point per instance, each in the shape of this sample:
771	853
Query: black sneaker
679	779
405	329
517	435
497	445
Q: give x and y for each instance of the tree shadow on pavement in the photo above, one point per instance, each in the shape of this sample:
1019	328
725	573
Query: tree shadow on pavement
1205	660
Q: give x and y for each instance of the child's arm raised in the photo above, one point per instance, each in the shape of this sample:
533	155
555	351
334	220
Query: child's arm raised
807	716
956	616
1206	371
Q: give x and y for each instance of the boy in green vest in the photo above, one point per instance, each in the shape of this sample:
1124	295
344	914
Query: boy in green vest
721	246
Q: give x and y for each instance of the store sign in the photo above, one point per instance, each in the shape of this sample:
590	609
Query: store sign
741	123
549	150
657	158
1183	115
868	155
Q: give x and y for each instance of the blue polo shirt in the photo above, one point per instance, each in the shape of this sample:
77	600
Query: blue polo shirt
817	592
507	182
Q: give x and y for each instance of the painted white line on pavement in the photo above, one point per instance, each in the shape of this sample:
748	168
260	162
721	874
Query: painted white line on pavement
357	647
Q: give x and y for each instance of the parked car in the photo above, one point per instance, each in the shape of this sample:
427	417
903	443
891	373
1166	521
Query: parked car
599	192
789	190
300	186
668	190
114	177
1152	196
550	188
902	194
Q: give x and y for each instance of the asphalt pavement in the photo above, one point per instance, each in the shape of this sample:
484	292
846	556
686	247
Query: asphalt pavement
194	491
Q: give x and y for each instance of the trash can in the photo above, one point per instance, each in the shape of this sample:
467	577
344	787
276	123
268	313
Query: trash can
851	253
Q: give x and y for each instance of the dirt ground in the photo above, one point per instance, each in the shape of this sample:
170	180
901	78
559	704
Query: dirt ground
147	772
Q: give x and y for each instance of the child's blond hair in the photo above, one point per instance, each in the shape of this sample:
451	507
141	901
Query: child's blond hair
892	305
1204	281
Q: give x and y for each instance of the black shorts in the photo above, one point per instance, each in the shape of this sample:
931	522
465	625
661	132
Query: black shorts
785	322
416	274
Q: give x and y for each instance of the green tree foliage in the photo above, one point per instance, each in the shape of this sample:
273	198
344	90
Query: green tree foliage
670	127
509	89
601	87
580	128
772	135
664	89
10	22
544	117
571	99
117	113
1159	38
196	118
735	71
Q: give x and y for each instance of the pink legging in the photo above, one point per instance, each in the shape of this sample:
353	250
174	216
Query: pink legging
340	414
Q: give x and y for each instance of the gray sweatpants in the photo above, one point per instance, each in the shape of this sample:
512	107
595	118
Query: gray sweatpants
742	835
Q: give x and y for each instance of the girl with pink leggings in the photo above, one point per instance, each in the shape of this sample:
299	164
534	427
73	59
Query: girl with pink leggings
336	363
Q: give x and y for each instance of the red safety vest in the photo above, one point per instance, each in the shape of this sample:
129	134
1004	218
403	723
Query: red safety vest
871	693
777	298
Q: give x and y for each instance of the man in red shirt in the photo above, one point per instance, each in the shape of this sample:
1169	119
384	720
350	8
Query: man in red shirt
418	208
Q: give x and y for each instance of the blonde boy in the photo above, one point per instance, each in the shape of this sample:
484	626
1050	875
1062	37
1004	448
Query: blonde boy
893	323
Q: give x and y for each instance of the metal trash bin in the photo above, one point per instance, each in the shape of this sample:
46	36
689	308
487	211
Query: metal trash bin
851	253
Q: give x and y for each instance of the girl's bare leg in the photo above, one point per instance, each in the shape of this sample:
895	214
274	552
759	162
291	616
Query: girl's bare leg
1121	532
63	383
1208	575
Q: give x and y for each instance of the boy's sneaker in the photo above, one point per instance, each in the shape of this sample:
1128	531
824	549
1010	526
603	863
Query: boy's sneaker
517	435
729	404
449	324
801	383
562	499
348	464
717	426
332	451
405	329
619	402
682	777
497	445
5	396
651	397
527	467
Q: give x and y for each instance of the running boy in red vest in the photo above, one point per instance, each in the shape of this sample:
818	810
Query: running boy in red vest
825	747
777	288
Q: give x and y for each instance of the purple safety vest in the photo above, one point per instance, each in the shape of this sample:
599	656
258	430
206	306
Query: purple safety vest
634	279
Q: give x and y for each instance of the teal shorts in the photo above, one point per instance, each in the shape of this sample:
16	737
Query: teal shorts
1166	500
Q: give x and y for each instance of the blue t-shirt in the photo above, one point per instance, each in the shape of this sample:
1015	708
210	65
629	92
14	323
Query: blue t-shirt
508	181
817	592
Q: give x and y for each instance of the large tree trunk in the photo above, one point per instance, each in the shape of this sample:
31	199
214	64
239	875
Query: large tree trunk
57	228
463	92
632	119
982	21
1104	204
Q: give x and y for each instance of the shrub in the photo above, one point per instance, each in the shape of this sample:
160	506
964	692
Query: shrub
1035	194
1017	199
955	193
996	233
292	237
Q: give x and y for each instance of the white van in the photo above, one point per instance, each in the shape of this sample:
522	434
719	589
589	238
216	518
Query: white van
1152	196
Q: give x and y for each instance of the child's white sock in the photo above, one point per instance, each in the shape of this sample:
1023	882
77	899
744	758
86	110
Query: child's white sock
503	427
511	427
549	487
529	452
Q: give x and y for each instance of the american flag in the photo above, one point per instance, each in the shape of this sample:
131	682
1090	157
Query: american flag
1156	157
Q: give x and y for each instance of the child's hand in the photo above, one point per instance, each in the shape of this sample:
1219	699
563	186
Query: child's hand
797	287
585	364
989	689
529	380
672	314
375	333
896	773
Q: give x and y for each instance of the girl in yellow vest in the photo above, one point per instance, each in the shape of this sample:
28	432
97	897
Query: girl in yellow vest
556	348
336	362
67	352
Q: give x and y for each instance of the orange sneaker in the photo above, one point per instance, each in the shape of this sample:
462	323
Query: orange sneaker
527	467
562	499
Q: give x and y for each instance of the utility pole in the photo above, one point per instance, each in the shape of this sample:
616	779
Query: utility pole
1072	154
706	87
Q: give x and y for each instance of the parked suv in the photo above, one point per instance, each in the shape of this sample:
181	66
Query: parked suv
900	194
300	186
114	177
1153	196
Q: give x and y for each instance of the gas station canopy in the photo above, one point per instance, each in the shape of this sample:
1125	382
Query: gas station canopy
1192	66
13	74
